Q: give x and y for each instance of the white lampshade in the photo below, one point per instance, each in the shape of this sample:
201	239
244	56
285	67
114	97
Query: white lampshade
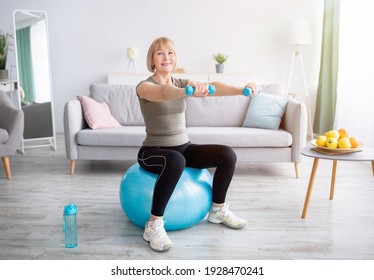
133	53
299	32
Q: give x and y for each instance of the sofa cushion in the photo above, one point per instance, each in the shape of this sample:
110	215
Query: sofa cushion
133	136
4	136
120	136
97	115
216	111
122	101
265	111
240	136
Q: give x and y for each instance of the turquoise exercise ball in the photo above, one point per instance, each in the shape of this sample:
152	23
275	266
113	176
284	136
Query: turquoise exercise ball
188	205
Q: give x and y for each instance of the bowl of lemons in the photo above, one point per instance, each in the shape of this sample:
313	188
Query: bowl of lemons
338	141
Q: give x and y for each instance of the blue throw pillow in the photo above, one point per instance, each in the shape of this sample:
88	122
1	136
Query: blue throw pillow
265	111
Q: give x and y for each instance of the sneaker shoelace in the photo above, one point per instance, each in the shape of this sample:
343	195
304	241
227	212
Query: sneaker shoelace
227	213
159	230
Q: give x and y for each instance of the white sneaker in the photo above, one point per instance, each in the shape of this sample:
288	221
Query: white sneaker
155	234
226	217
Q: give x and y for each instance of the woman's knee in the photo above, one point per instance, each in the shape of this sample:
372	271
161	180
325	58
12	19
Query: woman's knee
172	161
228	155
175	161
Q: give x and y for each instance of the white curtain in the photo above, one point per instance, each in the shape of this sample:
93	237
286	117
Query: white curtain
355	89
39	54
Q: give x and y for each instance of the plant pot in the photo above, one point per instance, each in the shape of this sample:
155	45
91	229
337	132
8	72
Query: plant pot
219	68
4	75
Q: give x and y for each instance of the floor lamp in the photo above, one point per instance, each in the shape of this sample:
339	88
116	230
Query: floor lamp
132	55
299	33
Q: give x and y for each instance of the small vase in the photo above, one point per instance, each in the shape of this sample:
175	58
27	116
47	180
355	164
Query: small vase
219	68
4	75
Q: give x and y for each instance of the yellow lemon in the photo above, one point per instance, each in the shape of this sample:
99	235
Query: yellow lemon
344	143
333	134
332	143
321	141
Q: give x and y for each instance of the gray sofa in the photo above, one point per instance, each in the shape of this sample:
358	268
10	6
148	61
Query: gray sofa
209	120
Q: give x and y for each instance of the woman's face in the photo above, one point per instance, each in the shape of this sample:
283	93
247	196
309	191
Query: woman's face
164	59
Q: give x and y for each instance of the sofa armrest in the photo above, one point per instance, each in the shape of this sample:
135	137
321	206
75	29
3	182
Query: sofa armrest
73	123
16	131
295	122
12	120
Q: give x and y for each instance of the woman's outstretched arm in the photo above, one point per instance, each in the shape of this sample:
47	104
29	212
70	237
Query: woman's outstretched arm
223	89
158	93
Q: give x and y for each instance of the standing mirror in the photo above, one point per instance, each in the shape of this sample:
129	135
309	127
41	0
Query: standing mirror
34	78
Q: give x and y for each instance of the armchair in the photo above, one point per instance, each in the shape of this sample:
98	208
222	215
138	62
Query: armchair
11	130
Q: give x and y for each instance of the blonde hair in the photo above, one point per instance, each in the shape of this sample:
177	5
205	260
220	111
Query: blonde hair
155	46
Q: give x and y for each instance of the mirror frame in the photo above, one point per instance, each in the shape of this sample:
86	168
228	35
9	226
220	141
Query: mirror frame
51	140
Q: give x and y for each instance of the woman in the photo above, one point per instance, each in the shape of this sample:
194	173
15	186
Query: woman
167	150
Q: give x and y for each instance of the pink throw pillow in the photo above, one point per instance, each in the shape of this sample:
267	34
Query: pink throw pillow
97	114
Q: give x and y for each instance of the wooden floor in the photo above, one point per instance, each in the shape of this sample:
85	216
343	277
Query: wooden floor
267	195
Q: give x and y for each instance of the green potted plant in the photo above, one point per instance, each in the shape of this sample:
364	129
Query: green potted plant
220	58
4	47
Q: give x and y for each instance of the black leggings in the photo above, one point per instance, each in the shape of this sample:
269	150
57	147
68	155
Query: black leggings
169	163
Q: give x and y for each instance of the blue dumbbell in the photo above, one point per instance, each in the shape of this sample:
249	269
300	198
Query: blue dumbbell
247	91
189	89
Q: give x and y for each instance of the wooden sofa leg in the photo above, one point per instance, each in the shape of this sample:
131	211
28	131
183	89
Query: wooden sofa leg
6	164
72	167
296	169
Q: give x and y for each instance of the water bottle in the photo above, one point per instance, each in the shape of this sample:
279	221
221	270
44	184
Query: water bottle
70	226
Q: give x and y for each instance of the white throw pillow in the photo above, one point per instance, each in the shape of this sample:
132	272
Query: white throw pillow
265	111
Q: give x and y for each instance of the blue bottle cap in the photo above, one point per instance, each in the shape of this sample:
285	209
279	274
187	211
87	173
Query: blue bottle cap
70	209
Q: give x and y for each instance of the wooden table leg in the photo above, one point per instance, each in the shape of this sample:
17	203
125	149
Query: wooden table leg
333	176
310	186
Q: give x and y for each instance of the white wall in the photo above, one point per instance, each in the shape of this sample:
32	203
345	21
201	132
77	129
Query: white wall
88	39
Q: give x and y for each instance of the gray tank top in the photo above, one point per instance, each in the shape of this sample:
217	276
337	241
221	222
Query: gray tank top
165	122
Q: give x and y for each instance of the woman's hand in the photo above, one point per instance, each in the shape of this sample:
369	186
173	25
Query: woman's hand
253	86
200	89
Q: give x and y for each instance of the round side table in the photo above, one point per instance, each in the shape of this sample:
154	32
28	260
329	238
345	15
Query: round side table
367	154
